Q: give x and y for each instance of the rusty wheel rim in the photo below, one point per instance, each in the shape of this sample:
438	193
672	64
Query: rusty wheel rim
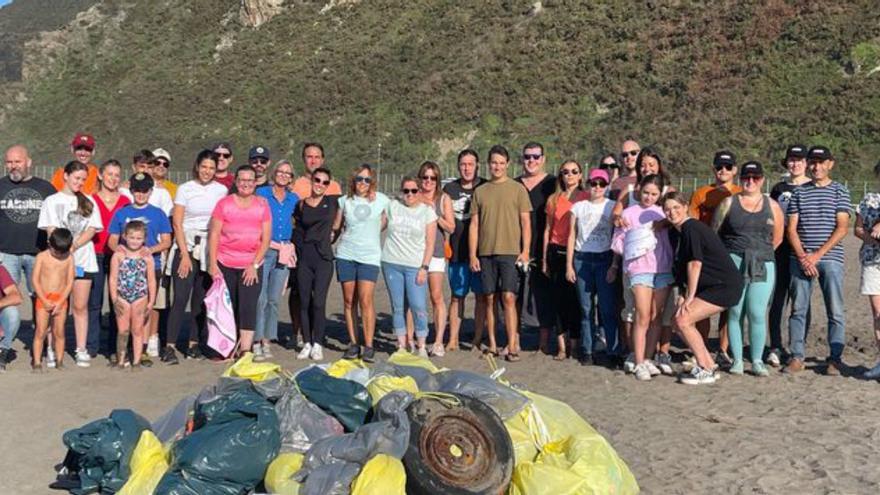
454	446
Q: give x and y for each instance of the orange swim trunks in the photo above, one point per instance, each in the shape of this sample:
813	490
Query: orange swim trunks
54	297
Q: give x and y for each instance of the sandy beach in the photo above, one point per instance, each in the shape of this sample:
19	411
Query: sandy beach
783	434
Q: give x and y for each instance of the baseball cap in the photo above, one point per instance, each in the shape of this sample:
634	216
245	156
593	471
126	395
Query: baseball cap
751	169
796	151
140	182
161	153
598	173
83	140
258	152
724	157
820	153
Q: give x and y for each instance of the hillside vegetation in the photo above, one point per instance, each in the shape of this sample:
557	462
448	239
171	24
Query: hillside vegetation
423	78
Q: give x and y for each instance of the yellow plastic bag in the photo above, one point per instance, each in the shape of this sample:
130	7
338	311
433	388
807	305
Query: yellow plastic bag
341	367
278	474
382	474
404	358
381	385
245	367
148	465
558	452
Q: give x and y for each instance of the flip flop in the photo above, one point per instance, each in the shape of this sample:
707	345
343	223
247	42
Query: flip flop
560	357
512	357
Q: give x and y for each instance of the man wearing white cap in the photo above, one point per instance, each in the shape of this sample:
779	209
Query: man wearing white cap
159	171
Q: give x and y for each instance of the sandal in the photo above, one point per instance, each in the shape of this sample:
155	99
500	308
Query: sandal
450	347
560	356
493	352
512	357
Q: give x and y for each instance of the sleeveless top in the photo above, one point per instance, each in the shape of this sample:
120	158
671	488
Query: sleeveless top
440	239
749	235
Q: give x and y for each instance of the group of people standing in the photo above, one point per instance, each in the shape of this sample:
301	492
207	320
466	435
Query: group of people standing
609	261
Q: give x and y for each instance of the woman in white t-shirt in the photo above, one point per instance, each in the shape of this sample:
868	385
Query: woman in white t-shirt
591	263
406	255
73	210
193	205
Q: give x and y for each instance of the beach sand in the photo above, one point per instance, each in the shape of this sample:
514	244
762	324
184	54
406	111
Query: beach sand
783	434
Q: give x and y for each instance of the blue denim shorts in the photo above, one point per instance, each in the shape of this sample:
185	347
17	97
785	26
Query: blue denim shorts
652	280
462	280
352	271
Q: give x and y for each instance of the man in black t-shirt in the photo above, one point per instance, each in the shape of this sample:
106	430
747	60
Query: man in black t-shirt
461	279
535	285
21	197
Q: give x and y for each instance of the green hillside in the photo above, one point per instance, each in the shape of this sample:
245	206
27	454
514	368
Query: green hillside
418	77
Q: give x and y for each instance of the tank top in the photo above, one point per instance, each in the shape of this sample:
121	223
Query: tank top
750	236
440	239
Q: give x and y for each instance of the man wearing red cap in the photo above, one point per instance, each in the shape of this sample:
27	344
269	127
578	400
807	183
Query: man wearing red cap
83	149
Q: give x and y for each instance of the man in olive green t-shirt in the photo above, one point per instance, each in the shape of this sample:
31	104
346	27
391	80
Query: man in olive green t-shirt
500	236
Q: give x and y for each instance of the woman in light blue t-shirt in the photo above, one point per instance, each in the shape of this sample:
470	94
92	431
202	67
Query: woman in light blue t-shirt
409	246
361	218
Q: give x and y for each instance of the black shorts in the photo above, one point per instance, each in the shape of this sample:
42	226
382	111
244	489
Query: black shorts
498	273
244	298
726	296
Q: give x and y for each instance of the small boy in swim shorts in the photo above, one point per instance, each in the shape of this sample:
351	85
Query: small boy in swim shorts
53	278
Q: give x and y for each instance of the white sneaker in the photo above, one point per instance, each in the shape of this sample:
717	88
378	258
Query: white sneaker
411	347
267	351
50	358
257	351
664	362
698	376
153	346
305	352
642	372
438	350
652	368
83	360
688	364
773	358
317	353
629	365
423	353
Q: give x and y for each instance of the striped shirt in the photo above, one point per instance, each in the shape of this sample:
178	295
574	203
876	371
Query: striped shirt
817	209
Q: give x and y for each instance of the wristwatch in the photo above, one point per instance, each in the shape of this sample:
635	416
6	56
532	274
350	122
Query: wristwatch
424	267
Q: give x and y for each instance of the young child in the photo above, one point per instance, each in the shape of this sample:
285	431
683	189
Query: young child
132	291
53	278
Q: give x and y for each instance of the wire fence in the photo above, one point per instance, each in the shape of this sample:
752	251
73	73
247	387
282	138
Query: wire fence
389	182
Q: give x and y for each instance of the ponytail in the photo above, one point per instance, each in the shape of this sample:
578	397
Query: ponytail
83	206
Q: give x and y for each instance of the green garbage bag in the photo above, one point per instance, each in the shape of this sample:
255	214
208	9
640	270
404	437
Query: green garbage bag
345	400
100	451
234	439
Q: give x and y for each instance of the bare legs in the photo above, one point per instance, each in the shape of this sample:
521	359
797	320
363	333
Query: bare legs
686	323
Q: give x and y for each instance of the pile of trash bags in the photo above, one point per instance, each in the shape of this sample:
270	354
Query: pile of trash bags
399	427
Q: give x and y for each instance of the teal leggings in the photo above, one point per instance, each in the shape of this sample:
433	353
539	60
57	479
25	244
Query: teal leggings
754	303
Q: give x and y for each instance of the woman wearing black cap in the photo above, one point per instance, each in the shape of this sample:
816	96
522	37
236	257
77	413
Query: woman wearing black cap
795	162
750	226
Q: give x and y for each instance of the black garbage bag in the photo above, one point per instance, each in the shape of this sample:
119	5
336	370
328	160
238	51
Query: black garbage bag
234	439
345	400
101	451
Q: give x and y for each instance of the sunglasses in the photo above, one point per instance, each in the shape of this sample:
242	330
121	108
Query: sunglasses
163	163
751	178
318	181
281	172
630	153
223	155
571	171
725	167
598	183
528	157
365	180
260	161
409	191
82	148
432	178
604	166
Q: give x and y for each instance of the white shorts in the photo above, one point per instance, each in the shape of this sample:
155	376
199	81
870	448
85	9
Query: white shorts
870	285
437	265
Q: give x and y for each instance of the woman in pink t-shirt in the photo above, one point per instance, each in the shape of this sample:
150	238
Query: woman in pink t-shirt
238	237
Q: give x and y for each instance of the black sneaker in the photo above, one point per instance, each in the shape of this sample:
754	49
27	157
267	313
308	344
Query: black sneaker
4	359
168	356
586	360
194	352
369	355
352	352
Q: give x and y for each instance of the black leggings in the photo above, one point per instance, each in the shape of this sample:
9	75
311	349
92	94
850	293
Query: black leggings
564	300
188	290
243	297
313	275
